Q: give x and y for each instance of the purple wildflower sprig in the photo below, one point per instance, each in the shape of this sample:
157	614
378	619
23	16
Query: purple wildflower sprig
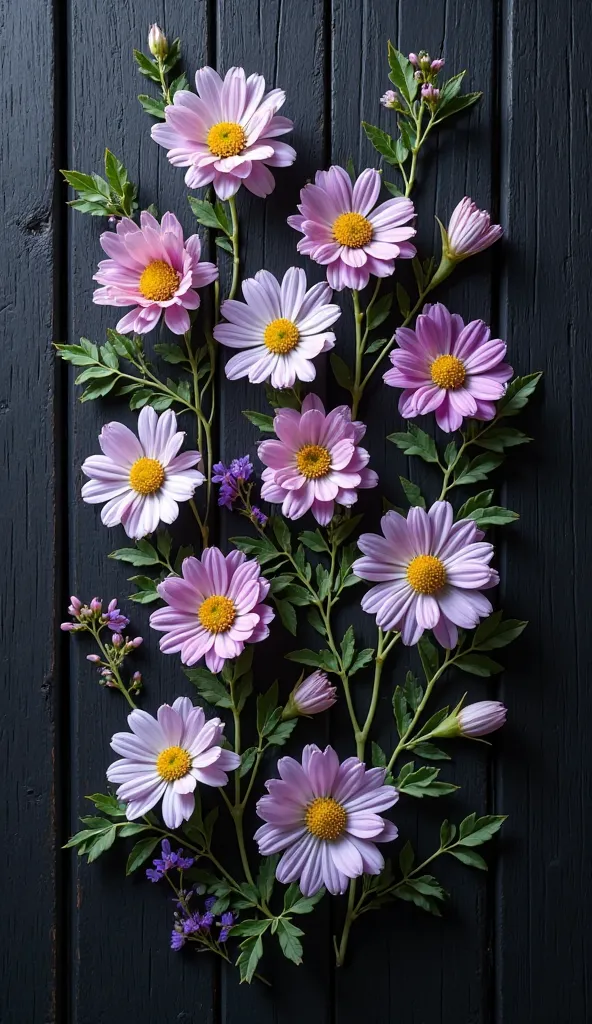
236	488
92	618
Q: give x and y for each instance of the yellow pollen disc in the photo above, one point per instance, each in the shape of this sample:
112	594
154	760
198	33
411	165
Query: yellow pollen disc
173	763
426	574
217	613
146	476
226	139
159	281
352	229
313	461
325	818
281	336
448	372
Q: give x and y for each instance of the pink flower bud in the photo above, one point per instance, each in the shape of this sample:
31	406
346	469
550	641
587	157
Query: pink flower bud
430	95
94	658
96	605
309	697
157	42
117	639
481	718
414	59
437	65
137	677
137	641
469	231
76	603
112	604
67	626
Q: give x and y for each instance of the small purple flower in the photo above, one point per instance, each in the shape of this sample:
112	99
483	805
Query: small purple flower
222	475
481	718
154	875
390	99
209	902
226	922
137	641
117	639
430	95
258	516
177	939
242	468
75	605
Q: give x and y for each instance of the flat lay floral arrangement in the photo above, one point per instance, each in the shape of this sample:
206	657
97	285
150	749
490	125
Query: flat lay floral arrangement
422	573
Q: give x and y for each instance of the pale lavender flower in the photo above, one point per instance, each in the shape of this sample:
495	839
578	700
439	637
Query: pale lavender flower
390	99
413	58
469	231
437	65
311	696
430	94
481	718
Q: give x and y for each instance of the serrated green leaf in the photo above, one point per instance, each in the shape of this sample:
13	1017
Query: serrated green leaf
412	492
402	73
260	420
383	143
305	657
478	468
517	395
477	501
475	831
287	615
152	105
414	441
205	213
251	951
361	659
103	842
430	659
289	939
469	857
497	439
313	540
210	688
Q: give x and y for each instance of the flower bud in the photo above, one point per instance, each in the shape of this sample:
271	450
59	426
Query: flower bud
67	626
94	658
117	639
96	605
137	641
157	42
424	60
76	603
469	231
413	58
430	95
481	718
418	76
112	604
437	65
310	696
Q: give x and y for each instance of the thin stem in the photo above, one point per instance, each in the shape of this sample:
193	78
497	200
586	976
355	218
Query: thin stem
350	917
361	340
234	238
114	669
419	711
165	89
382	651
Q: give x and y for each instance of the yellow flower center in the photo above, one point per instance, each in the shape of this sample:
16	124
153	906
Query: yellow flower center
173	763
217	613
352	229
325	818
313	461
426	574
281	336
159	281
226	139
448	372
146	476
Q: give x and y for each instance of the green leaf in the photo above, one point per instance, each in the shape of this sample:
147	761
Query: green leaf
493	516
382	142
98	390
262	549
495	632
315	541
135	556
93	373
251	927
287	615
394	191
266	876
414	441
205	213
361	659
281	533
116	173
306	657
247	761
209	687
456	105
430	658
478	468
451	88
260	420
341	372
108	804
402	73
402	717
423	782
298	904
152	105
469	857
475	831
447	833
412	492
477	501
478	665
430	752
249	956
171	353
379	312
517	395
103	842
377	344
146	66
346	528
282	732
406	859
403	300
497	439
289	939
413	691
411	892
348	646
266	705
378	756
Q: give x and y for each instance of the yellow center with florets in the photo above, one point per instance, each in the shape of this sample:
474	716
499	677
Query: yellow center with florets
281	336
146	476
173	763
448	372
352	229
325	818
227	138
217	613
159	281
426	574
313	461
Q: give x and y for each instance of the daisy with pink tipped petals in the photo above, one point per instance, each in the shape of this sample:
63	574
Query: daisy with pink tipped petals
449	368
429	572
469	231
213	609
228	133
316	461
280	327
345	231
152	268
164	758
141	479
326	818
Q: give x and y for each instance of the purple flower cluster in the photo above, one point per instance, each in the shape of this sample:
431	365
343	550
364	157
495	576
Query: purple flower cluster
192	924
86	613
168	861
230	478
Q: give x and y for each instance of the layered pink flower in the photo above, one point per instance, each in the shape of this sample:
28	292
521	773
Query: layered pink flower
470	231
152	269
316	461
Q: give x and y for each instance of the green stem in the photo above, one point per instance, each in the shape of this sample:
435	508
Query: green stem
165	89
419	711
116	674
234	238
350	917
382	651
361	340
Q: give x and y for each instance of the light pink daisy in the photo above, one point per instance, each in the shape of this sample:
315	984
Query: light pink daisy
227	134
430	573
214	608
448	368
281	328
141	479
469	231
345	230
164	758
325	816
316	461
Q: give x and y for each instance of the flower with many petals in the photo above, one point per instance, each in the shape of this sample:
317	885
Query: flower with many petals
152	269
213	609
325	817
165	757
281	328
316	461
469	231
344	229
228	133
449	368
429	573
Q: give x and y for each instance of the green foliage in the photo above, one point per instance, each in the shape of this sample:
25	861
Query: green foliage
414	441
423	782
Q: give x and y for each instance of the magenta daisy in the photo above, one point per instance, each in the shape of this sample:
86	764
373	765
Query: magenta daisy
430	573
141	479
214	608
469	231
316	461
281	328
449	368
165	757
345	230
152	269
325	816
228	133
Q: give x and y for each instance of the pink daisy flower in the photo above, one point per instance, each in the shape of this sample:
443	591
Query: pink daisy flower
141	479
151	268
345	230
165	757
470	231
316	461
449	368
214	608
227	134
325	816
430	573
281	328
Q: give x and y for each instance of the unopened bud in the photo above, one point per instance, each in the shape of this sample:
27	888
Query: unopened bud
157	42
117	639
414	59
96	605
438	64
137	641
418	76
94	658
67	626
76	603
112	604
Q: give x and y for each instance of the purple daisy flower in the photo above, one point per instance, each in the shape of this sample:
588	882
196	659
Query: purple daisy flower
345	230
324	815
430	573
469	231
214	608
280	328
316	461
165	757
449	368
141	479
152	269
227	134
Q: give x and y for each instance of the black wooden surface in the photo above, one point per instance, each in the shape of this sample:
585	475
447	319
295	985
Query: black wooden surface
83	944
